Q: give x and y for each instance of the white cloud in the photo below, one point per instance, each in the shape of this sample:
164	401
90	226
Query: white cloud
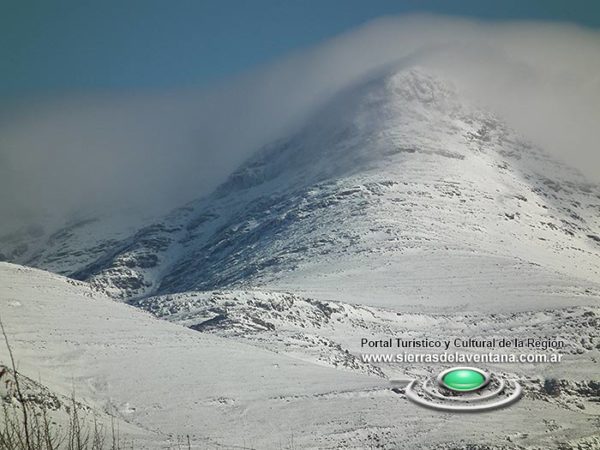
154	151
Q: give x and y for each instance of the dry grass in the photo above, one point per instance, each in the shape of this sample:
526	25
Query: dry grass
26	424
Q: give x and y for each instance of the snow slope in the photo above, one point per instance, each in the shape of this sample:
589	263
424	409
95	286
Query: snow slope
63	246
164	378
264	377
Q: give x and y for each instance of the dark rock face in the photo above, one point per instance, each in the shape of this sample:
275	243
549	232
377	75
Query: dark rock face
552	387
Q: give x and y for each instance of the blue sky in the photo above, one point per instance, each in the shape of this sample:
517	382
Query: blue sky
49	47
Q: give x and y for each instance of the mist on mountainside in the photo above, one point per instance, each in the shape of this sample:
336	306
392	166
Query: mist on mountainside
139	154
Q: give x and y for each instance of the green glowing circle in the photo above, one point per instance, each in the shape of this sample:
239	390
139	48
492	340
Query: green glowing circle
464	380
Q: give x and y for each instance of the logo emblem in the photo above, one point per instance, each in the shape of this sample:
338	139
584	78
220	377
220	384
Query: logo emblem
463	379
461	389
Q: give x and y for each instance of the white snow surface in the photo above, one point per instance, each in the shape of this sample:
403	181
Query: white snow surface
165	378
281	373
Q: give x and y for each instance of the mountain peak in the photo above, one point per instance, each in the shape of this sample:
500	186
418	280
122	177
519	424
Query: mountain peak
356	128
414	85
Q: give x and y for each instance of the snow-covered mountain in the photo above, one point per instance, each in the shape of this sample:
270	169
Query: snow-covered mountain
398	193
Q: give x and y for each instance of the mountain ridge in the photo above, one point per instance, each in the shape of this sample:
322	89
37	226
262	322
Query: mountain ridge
398	165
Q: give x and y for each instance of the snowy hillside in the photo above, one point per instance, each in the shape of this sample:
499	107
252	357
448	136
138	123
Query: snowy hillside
330	333
166	379
266	370
62	246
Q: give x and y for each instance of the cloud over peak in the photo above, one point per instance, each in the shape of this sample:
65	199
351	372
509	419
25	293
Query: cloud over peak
153	151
